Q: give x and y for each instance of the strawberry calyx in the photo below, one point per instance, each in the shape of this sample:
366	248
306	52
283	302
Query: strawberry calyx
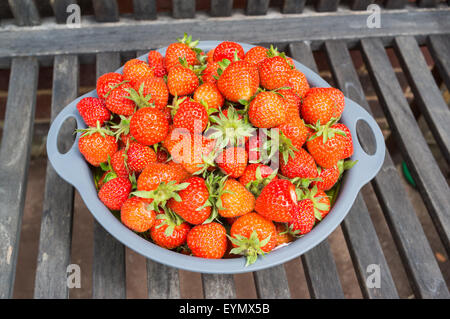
223	64
304	183
326	131
344	165
279	142
176	102
138	97
312	195
122	128
249	247
187	39
257	185
103	131
112	87
215	184
170	218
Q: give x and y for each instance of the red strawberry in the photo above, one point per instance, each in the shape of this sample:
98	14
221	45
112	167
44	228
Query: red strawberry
115	192
276	200
107	82
157	62
156	88
169	232
348	141
317	106
139	156
320	200
273	72
149	126
227	50
135	70
252	235
301	165
267	109
327	177
255	172
335	95
119	102
184	49
234	199
118	163
256	55
210	73
298	82
232	161
194	205
209	95
303	219
156	173
162	156
182	81
210	56
208	241
96	145
294	135
192	116
136	214
93	109
239	81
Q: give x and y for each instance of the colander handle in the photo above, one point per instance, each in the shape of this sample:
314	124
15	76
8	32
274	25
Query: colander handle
368	165
71	161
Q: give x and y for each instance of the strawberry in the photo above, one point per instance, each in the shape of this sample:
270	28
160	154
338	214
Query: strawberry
253	147
115	192
227	50
97	145
301	165
239	81
136	215
210	56
182	81
155	174
156	88
303	219
317	106
139	156
293	134
252	235
327	145
184	49
210	73
267	109
119	102
327	177
93	109
335	95
209	95
256	55
208	241
297	81
194	206
119	163
135	70
320	200
256	177
149	126
276	200
107	82
283	235
169	231
348	141
232	161
181	173
234	199
191	115
162	156
293	102
157	62
273	72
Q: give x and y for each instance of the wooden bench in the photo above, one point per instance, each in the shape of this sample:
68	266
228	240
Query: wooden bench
330	27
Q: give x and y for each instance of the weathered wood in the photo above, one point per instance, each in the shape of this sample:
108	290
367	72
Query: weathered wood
432	185
439	46
320	269
395	4
14	158
221	8
218	286
128	34
56	224
428	3
293	6
360	4
25	12
108	269
257	7
272	283
145	9
426	92
60	7
326	5
183	9
106	10
162	281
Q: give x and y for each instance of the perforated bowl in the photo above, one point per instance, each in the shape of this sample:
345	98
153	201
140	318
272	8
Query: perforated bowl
72	167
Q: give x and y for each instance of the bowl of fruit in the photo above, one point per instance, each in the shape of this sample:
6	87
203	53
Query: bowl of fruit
216	156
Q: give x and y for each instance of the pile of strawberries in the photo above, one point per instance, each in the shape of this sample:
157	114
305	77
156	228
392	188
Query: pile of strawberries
215	154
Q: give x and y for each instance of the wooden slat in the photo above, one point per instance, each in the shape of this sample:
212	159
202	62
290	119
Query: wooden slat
56	225
360	4
293	6
272	283
428	3
221	8
14	158
106	10
60	7
327	5
162	281
183	9
108	270
439	46
427	93
395	4
218	286
144	9
432	184
25	12
320	268
128	34
257	7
